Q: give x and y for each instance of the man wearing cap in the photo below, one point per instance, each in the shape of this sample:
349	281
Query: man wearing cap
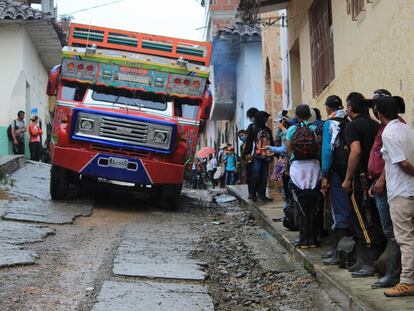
333	174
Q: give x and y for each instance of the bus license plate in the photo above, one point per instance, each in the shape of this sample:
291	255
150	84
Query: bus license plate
118	163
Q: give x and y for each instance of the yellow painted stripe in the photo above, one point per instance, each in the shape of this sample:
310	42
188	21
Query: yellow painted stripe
361	221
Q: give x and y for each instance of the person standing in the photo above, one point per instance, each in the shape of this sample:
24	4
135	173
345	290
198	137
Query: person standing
398	154
258	139
247	151
303	150
230	160
334	159
18	128
360	135
35	132
378	191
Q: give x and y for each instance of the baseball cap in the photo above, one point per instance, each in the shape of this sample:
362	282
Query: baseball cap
334	101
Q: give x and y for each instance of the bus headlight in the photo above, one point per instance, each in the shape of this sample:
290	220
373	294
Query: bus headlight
160	137
86	125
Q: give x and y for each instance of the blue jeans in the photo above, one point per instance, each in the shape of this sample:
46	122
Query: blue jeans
381	201
229	177
340	204
260	172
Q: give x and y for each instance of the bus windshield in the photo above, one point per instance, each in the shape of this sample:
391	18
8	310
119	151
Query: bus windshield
131	98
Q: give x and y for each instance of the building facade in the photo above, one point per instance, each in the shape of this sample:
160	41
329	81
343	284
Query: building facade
336	47
236	72
31	43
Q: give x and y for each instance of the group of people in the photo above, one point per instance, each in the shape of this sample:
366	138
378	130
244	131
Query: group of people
359	165
219	169
17	131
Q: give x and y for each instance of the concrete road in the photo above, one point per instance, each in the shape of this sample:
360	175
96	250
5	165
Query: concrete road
117	251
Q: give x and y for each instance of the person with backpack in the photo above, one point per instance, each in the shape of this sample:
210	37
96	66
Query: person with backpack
257	142
16	132
334	159
247	152
303	149
230	160
360	135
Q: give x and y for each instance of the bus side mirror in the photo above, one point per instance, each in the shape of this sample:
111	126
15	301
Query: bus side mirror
205	108
53	81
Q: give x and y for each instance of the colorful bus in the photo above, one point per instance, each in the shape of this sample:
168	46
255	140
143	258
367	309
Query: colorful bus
128	110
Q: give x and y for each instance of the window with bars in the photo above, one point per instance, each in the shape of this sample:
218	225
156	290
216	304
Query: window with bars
321	40
355	7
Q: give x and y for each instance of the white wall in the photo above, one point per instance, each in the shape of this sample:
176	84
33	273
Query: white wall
20	64
250	84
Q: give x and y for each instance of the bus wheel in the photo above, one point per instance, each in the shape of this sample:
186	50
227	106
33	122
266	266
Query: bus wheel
169	196
59	183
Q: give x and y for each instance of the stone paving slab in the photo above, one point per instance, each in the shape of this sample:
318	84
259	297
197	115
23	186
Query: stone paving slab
158	253
12	235
12	255
49	212
152	296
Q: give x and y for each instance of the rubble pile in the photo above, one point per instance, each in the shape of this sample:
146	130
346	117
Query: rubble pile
237	281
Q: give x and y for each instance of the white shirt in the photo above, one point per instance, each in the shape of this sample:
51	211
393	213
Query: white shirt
305	174
398	145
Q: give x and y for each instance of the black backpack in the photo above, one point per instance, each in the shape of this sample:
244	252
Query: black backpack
305	143
9	130
341	152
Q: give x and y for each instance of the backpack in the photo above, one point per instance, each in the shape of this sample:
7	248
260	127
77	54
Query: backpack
305	143
346	252
263	140
9	130
341	151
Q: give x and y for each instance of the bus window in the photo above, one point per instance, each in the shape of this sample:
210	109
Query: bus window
186	108
73	91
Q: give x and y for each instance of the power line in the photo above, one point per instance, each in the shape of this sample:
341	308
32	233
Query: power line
93	7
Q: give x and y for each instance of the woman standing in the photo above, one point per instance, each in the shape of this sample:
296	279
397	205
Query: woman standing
35	132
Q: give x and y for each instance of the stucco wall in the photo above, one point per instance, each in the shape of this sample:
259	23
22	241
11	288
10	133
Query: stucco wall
20	63
271	52
373	52
250	86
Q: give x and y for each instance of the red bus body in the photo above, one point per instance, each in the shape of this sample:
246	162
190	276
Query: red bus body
128	105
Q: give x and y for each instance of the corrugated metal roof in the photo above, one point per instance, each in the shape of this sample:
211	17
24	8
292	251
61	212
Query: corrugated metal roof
12	10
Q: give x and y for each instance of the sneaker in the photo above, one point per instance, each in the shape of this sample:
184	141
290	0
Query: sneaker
253	198
400	290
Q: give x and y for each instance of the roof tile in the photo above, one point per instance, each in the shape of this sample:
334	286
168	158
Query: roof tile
11	10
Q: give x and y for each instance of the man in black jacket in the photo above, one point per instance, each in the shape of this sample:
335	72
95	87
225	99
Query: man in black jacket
251	114
258	136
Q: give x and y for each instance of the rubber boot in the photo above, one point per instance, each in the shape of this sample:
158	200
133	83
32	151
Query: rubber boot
313	230
368	265
302	242
359	260
392	276
331	250
338	235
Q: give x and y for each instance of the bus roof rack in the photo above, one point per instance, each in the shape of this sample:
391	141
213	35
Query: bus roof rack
197	52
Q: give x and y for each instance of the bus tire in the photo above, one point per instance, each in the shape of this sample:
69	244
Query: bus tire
59	183
169	196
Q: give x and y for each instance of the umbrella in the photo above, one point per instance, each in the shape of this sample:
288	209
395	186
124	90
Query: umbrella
205	152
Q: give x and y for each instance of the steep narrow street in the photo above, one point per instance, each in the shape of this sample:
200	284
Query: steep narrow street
116	251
